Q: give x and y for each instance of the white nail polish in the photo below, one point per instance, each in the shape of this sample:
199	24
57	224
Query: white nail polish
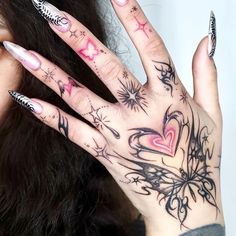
121	3
212	35
52	15
26	102
27	58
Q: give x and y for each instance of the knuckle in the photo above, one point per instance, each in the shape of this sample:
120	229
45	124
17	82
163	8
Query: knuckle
78	101
155	47
110	70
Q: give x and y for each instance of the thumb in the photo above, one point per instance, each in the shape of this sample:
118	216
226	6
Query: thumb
205	74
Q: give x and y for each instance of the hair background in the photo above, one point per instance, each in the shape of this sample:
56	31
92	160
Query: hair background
48	185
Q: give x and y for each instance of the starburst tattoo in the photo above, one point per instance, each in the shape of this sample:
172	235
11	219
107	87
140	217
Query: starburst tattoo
134	9
100	121
125	74
184	97
133	96
48	74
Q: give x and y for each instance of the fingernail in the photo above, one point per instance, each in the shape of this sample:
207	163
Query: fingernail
52	15
27	58
26	102
121	3
212	35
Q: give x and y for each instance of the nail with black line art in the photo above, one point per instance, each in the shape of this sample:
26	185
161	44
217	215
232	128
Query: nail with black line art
27	58
52	15
26	102
212	36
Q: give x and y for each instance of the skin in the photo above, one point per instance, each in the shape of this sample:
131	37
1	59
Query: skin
10	71
160	118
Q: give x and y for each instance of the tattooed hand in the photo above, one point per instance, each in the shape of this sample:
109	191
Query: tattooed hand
161	145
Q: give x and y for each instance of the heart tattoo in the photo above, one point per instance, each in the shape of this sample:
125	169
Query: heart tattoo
146	140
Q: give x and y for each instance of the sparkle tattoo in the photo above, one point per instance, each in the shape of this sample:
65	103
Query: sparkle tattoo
166	75
101	121
132	95
141	27
184	96
63	125
101	152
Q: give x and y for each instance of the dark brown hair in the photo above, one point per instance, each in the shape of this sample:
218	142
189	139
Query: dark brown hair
48	185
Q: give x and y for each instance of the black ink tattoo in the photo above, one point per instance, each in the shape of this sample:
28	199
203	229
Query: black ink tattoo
134	9
101	121
73	34
63	125
48	74
133	96
176	188
167	75
102	152
184	97
125	74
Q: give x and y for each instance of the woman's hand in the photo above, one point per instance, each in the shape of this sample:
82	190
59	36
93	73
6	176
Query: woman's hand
160	145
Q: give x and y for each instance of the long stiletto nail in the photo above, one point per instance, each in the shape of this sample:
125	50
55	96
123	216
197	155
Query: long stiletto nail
26	102
121	3
27	58
52	15
212	35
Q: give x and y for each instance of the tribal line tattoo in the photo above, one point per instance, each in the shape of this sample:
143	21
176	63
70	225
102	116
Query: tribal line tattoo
167	74
50	13
146	140
132	95
176	188
101	121
63	125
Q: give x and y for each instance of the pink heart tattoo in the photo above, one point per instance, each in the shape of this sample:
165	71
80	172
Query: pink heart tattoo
164	144
146	140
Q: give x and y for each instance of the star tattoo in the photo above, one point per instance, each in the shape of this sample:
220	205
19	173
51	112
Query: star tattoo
133	96
141	27
48	75
184	97
73	34
100	121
